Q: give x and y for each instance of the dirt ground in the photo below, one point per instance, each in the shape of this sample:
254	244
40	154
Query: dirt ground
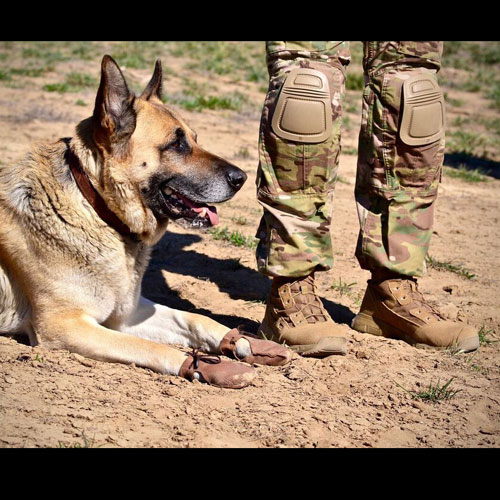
364	399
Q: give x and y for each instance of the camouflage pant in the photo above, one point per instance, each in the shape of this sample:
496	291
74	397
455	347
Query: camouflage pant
396	184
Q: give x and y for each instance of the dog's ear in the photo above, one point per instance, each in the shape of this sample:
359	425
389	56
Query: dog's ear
154	86
114	116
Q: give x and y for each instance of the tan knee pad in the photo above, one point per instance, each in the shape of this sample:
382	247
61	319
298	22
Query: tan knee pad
423	119
303	111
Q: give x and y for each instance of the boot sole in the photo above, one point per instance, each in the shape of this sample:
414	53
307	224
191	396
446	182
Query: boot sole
326	346
365	323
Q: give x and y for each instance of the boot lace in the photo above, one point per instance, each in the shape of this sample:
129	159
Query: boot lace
307	309
424	307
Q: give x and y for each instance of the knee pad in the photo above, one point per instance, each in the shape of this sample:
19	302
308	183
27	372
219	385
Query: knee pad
423	119
303	111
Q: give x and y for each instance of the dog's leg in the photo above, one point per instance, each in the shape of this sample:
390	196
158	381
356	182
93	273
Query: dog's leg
163	324
81	334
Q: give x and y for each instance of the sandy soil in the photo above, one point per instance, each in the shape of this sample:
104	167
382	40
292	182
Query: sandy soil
58	399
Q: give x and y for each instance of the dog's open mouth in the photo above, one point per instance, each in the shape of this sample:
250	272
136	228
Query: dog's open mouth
196	214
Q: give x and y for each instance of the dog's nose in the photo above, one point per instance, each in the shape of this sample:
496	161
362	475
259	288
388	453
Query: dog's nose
235	177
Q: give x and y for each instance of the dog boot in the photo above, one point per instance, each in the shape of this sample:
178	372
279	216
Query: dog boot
215	371
295	316
395	308
262	352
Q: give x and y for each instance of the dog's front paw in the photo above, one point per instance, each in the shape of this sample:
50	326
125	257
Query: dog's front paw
258	351
215	371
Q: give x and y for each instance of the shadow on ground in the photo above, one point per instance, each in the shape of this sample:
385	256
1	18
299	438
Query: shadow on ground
238	281
487	167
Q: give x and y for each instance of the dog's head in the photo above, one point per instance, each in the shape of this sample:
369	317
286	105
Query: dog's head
151	168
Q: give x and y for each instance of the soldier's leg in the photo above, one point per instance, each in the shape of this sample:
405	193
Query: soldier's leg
400	156
299	146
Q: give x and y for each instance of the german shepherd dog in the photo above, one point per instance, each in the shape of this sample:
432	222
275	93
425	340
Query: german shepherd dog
78	220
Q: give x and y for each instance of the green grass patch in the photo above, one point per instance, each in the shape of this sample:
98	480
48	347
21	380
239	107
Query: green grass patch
465	174
435	393
233	237
491	123
84	51
448	266
243	153
257	73
57	87
494	93
487	53
81	80
234	101
86	443
468	143
74	82
350	107
483	335
355	81
482	58
198	96
241	221
240	60
342	287
32	72
48	56
350	151
138	55
457	103
466	55
471	85
199	103
346	122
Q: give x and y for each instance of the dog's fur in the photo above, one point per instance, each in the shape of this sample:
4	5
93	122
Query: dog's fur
68	279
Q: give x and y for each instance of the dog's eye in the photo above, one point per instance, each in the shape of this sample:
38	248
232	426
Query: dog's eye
179	144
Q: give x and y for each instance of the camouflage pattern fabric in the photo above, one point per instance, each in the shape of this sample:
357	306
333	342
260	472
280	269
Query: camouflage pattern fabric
295	181
396	185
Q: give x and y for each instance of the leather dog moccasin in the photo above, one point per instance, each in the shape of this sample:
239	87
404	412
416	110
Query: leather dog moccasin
215	371
263	352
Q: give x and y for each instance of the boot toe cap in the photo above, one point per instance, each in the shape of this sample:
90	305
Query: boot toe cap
449	334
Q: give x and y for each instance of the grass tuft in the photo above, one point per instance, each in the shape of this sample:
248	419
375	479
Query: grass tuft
466	142
483	336
241	221
240	60
343	287
448	266
87	443
243	153
199	103
435	393
73	82
466	175
233	237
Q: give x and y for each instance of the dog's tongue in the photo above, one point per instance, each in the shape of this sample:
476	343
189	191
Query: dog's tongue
211	212
206	211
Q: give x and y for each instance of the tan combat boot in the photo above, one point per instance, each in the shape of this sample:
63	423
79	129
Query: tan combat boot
395	308
295	316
